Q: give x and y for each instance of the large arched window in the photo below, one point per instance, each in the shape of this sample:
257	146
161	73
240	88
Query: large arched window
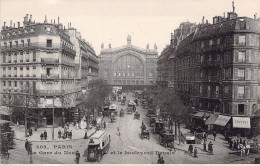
128	62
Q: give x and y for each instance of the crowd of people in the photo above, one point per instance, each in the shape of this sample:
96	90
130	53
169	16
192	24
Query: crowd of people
240	145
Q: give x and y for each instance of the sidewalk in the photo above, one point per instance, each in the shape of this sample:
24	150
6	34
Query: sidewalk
76	134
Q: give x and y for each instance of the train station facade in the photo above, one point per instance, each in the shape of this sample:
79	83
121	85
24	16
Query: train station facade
128	65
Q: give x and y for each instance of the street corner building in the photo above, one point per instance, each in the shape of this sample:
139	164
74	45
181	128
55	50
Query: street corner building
52	61
217	67
128	66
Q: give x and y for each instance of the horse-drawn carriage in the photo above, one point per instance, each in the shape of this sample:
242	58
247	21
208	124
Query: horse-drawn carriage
144	132
137	116
159	127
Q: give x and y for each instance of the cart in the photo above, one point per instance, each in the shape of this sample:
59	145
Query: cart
145	134
137	116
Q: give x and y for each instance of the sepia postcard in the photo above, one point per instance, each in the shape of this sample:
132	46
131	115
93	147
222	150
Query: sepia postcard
130	82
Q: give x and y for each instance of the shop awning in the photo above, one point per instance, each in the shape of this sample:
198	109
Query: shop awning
241	122
211	119
222	120
201	114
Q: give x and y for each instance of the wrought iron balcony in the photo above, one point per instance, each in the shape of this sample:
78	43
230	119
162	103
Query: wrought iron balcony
47	77
50	92
49	61
41	45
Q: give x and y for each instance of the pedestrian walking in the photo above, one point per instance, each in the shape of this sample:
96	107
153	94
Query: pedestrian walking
70	134
26	144
247	148
190	149
104	125
210	148
241	150
45	134
235	145
118	132
162	161
30	131
86	134
230	144
214	135
77	157
41	136
205	146
59	134
195	152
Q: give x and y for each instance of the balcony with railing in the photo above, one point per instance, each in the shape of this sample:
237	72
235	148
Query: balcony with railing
50	92
50	77
41	45
68	49
49	61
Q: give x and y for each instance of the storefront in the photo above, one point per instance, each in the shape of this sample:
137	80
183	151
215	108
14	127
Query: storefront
241	126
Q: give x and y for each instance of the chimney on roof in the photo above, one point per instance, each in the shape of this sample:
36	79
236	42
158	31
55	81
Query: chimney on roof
4	25
51	21
255	16
203	20
58	20
224	14
45	21
10	23
14	25
27	17
207	22
18	24
30	18
54	21
233	5
70	24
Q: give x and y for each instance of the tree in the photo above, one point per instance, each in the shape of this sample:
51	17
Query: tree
169	101
96	96
23	104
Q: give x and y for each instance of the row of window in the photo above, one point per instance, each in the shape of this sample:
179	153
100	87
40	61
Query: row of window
133	82
15	57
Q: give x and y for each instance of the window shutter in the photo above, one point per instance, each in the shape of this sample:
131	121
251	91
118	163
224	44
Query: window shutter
247	92
236	56
235	73
236	39
235	92
253	56
246	106
247	39
247	73
247	55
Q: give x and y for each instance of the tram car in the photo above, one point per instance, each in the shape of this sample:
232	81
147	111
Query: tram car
98	146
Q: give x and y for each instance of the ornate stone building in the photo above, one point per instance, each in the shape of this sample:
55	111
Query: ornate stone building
40	56
128	65
217	66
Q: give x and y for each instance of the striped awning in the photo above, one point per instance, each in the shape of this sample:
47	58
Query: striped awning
211	120
222	120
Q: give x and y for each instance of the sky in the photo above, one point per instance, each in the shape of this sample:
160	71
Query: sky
110	21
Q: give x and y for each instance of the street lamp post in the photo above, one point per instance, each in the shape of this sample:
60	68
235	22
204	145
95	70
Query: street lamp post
53	118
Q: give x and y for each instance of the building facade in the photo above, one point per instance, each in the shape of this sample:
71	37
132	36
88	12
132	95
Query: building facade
86	59
164	67
128	65
217	66
42	57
